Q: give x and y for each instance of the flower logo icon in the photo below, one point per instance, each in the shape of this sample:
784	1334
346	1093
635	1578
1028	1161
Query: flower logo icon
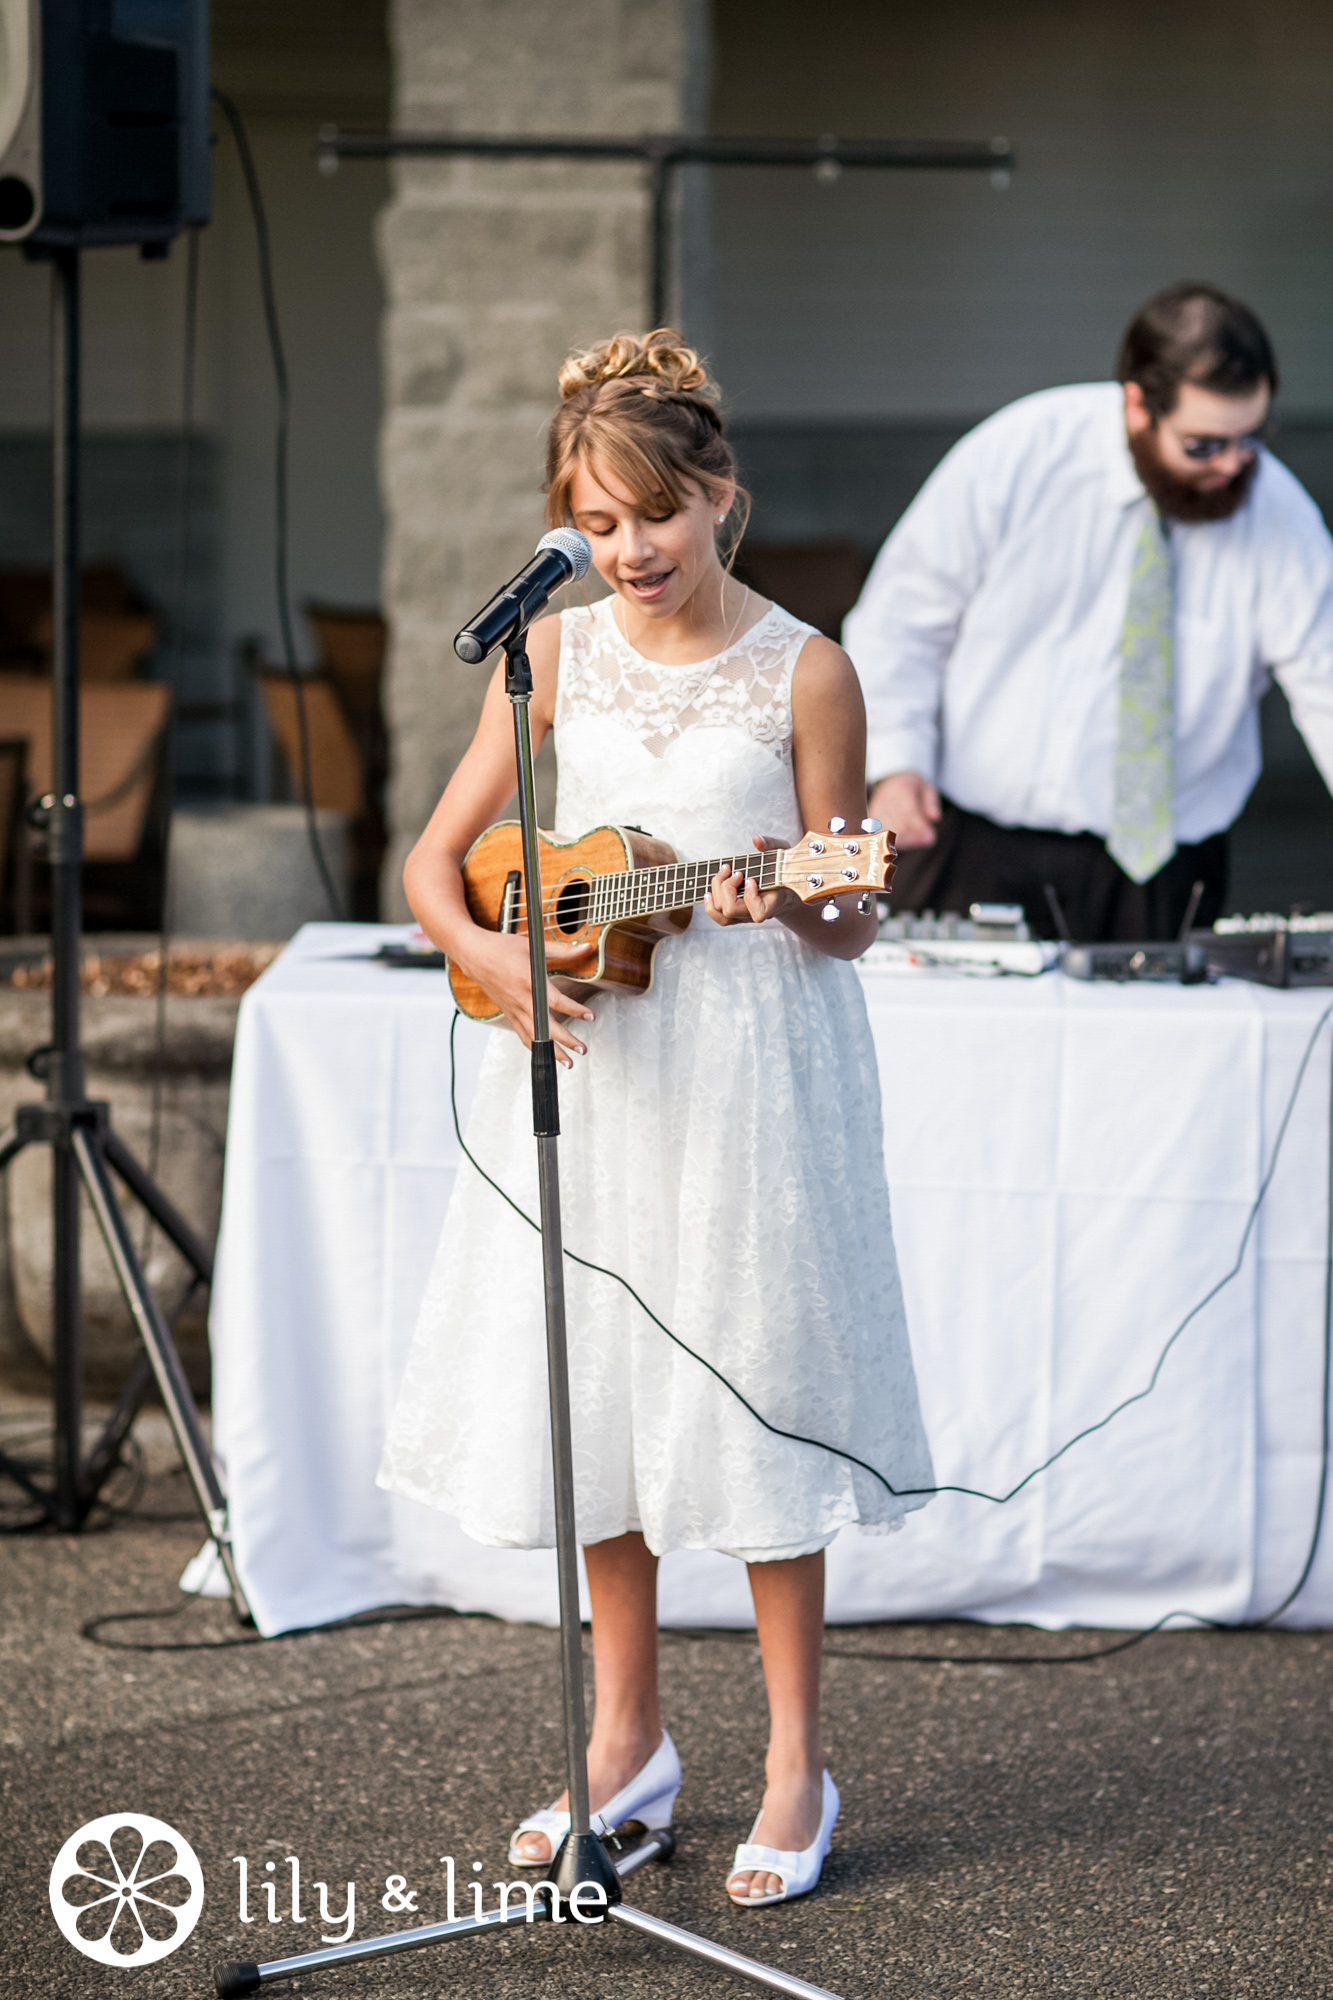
126	1889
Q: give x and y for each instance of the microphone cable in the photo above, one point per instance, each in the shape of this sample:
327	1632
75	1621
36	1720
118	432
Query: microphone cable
1088	1430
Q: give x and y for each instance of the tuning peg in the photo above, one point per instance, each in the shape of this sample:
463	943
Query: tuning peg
872	826
830	913
862	905
837	824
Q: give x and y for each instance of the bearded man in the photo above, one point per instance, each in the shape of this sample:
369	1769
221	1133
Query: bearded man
1065	640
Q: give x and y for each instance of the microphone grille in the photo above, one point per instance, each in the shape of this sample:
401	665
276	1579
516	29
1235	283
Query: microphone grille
572	544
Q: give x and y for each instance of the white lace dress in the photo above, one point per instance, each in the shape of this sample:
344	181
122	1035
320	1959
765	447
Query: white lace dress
720	1148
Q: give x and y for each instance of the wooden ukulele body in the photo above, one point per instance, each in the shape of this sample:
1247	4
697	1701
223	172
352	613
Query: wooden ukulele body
625	948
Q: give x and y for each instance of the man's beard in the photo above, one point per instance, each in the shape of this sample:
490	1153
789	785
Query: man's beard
1176	498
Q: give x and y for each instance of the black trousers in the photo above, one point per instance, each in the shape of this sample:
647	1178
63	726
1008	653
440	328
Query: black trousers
975	861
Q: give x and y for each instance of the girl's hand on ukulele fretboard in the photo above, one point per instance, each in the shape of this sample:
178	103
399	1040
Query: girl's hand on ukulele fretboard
734	898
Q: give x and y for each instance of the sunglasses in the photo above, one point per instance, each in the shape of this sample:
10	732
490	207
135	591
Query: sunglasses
1202	449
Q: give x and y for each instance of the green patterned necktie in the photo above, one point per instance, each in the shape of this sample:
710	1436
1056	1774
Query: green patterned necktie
1142	837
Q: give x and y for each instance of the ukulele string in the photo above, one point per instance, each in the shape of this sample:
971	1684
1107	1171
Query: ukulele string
607	887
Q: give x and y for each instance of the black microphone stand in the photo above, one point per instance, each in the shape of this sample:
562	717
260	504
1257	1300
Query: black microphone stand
583	1863
78	1130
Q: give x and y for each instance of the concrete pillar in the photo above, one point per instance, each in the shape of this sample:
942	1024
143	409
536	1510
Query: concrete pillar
493	271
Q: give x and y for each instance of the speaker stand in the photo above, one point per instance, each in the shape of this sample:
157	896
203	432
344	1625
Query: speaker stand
84	1147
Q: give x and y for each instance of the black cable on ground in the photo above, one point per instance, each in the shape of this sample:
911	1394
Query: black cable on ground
406	1614
278	355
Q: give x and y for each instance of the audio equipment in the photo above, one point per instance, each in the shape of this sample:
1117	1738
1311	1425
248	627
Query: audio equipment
1178	964
562	557
1271	950
103	121
621	892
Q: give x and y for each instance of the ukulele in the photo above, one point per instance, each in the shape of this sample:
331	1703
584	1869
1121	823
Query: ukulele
621	891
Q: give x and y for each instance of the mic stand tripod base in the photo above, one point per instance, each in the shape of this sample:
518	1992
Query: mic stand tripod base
236	1980
582	1858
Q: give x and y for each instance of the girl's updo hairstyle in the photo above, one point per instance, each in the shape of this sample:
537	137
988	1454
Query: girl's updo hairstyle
643	407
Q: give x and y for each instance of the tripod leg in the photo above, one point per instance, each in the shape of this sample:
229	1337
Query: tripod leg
719	1954
72	1496
11	1468
162	1355
106	1451
10	1145
164	1213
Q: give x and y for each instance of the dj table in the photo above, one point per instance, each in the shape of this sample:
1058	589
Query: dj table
1073	1169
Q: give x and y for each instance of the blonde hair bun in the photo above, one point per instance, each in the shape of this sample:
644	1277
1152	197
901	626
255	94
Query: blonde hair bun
657	363
642	407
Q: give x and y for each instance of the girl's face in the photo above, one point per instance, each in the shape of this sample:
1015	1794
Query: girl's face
656	561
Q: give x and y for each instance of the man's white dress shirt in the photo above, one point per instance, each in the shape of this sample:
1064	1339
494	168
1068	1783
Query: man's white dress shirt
987	637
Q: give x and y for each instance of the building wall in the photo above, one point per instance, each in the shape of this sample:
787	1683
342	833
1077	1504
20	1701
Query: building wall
1154	143
493	271
859	326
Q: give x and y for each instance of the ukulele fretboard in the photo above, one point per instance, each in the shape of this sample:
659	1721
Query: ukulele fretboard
644	892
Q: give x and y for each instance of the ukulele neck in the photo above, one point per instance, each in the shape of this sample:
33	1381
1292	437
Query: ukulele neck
647	892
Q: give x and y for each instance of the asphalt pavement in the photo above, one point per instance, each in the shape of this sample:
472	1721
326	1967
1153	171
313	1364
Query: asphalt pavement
1154	1823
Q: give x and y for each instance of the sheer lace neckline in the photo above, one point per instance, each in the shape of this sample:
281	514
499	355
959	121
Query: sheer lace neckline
685	666
747	686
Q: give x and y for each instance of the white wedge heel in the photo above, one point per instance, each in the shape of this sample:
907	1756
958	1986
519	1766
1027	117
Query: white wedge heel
798	1872
648	1798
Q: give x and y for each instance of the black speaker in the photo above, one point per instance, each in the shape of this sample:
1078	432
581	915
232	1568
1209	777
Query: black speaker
103	120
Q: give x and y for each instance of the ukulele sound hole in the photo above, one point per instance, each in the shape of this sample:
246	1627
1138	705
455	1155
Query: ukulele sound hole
571	907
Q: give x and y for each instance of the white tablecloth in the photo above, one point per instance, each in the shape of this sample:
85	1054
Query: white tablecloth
1071	1168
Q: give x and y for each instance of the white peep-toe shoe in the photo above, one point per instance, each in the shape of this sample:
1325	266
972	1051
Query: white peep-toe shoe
648	1798
798	1872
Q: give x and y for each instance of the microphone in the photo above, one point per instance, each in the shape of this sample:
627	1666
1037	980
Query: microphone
563	556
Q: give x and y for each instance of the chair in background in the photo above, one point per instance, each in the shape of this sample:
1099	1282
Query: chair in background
122	730
348	743
118	634
352	645
337	775
816	581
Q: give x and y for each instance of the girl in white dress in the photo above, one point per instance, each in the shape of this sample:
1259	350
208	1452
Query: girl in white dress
720	1135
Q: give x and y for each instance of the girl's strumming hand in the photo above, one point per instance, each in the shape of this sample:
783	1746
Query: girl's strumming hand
734	898
500	963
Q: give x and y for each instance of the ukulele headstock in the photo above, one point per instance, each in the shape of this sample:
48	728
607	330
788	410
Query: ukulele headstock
841	862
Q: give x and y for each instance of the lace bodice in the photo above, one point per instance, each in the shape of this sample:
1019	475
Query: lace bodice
698	755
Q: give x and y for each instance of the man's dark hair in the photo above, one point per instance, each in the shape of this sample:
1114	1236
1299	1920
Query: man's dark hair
1199	334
